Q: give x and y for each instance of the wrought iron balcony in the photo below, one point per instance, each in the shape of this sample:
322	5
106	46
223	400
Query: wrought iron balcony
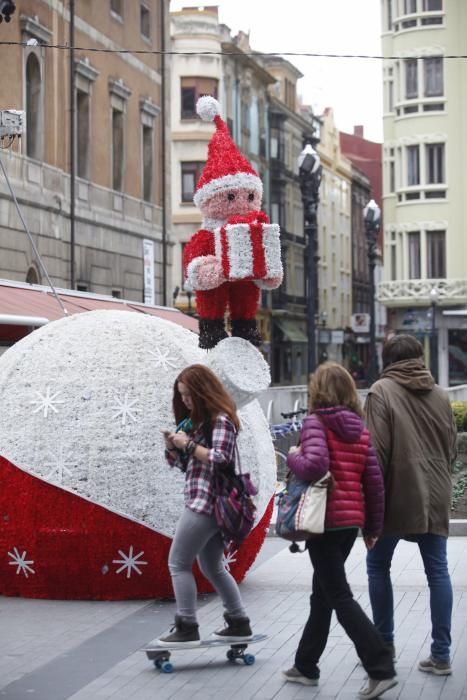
451	292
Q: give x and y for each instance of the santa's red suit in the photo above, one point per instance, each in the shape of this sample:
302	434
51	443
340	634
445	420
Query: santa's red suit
229	193
241	297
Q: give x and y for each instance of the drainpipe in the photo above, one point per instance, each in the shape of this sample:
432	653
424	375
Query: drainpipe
72	144
163	157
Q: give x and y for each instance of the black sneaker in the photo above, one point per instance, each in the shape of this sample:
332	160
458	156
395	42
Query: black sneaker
237	629
181	634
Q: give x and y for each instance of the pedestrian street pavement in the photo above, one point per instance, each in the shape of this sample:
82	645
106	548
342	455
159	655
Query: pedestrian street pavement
84	650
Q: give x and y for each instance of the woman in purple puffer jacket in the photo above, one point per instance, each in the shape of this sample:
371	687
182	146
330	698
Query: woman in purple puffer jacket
334	438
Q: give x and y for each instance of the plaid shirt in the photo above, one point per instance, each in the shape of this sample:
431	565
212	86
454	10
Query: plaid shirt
198	491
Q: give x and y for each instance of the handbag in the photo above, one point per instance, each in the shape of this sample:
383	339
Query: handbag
234	508
301	509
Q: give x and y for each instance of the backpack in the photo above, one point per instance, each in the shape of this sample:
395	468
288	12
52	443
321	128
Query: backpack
234	508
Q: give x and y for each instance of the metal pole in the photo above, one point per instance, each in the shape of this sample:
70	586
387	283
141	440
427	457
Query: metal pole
163	157
309	169
310	194
72	144
310	234
433	341
373	370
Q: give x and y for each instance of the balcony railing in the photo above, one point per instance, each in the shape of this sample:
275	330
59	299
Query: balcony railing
451	292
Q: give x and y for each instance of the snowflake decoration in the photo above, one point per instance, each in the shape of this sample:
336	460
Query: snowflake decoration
229	558
124	409
46	402
163	359
59	466
21	563
129	562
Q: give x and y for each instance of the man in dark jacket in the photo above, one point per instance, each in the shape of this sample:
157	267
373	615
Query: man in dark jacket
414	433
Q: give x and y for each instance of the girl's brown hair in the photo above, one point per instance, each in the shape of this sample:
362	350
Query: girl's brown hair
208	396
331	385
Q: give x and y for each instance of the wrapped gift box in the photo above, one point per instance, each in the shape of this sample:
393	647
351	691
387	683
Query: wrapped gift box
249	251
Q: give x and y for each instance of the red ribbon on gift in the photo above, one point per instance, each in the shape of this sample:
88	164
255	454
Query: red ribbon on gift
255	219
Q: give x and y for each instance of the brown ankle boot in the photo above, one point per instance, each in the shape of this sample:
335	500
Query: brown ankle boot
237	629
181	634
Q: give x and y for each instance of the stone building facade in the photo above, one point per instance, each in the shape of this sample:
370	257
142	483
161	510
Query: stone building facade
119	213
240	83
334	243
290	128
424	155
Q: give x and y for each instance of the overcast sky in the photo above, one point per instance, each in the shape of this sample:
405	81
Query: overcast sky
352	87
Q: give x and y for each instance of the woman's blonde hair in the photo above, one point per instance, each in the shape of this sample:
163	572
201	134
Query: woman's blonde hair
331	385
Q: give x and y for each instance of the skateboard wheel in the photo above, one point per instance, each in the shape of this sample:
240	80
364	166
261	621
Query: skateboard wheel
158	663
248	659
231	655
166	667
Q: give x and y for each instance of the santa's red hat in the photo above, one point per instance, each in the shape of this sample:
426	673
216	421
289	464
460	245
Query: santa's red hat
225	167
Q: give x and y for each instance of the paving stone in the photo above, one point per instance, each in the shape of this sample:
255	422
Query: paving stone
92	647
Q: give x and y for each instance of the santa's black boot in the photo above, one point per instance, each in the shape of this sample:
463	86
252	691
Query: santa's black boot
211	332
247	329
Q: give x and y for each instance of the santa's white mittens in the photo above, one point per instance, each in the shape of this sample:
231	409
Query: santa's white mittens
204	272
207	108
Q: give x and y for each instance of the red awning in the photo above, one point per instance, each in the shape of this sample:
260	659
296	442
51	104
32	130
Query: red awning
33	300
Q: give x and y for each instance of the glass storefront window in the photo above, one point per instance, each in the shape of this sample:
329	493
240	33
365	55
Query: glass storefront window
457	357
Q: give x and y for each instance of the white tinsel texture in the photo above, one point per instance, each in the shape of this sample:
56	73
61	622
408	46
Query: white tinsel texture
207	108
84	401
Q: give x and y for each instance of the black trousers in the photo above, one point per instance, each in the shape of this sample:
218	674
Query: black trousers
331	591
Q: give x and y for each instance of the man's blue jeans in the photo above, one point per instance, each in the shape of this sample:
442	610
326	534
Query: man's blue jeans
433	551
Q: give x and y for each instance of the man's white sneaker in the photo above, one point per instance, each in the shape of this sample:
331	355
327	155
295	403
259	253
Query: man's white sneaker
376	688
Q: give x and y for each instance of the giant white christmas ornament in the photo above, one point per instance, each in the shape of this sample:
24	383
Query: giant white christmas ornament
241	369
83	403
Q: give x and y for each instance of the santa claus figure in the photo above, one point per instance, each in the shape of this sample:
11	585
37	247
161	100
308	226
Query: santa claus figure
236	252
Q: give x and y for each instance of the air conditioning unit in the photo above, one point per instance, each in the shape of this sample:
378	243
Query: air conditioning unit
12	122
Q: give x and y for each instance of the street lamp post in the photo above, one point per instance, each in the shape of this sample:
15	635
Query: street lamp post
434	296
309	167
372	218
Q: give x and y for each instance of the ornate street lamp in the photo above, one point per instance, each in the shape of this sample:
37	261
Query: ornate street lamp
7	8
434	297
372	219
309	168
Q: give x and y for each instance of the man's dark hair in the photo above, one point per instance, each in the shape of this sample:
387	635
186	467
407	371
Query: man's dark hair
401	347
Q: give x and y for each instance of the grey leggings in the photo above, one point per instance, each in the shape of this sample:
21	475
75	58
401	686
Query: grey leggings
197	536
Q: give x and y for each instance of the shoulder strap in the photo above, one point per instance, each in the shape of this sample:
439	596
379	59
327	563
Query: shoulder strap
206	429
237	458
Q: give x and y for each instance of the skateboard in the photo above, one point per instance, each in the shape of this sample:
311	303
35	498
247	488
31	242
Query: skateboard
161	656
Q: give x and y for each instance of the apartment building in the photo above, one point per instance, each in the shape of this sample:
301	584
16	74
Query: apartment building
367	180
290	129
240	84
425	207
334	244
258	97
119	228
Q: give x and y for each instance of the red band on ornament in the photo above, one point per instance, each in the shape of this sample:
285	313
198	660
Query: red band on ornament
81	550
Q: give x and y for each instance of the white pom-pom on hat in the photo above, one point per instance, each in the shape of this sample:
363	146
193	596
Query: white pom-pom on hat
208	107
226	168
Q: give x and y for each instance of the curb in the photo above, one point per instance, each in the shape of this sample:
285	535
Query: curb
457	528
